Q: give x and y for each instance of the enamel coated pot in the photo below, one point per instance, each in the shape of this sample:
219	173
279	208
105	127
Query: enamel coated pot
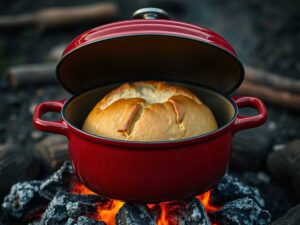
149	48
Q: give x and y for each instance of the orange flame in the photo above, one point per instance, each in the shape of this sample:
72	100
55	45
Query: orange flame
107	211
204	199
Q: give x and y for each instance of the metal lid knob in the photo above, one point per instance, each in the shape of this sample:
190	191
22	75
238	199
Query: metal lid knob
150	13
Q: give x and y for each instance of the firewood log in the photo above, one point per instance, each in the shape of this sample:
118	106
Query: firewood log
272	79
61	16
52	152
31	75
270	95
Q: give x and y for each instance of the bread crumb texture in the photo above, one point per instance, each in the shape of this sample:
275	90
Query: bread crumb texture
150	111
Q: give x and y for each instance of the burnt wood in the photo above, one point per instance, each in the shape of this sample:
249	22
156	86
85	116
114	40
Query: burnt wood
31	75
52	151
272	79
270	94
61	16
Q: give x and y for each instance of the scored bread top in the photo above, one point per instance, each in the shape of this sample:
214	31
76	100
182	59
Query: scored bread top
150	111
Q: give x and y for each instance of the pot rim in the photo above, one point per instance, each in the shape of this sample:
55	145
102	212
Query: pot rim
150	144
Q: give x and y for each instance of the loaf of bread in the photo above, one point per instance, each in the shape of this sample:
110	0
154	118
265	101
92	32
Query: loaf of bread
150	111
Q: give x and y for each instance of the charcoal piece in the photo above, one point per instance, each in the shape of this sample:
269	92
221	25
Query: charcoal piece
24	201
83	220
59	181
242	211
35	222
61	208
75	209
230	188
189	212
291	217
133	214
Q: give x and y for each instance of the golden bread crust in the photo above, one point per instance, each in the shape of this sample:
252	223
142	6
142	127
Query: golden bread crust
150	111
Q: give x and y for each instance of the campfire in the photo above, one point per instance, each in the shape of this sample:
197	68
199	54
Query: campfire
62	200
107	212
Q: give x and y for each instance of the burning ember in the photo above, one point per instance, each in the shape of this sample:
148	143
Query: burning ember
108	211
61	200
105	212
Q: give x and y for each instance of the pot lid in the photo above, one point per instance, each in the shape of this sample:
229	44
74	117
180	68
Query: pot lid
149	47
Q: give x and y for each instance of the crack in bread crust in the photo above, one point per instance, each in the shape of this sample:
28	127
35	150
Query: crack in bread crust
179	111
130	118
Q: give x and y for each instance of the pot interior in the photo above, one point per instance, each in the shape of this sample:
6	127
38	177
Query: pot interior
78	108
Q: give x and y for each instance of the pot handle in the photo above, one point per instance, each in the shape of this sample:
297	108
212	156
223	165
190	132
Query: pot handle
246	122
57	127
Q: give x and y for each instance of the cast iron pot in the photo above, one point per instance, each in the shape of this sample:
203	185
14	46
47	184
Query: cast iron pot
149	49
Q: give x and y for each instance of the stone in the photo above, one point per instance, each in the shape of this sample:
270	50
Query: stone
284	165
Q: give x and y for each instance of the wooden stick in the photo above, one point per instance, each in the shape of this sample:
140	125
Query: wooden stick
272	79
31	74
271	95
61	16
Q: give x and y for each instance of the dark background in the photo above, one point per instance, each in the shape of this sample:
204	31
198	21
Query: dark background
265	34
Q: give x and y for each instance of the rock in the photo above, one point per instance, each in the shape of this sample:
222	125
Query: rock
284	165
250	149
292	217
256	179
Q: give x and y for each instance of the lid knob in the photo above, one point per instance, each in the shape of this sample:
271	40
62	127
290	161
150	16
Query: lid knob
150	13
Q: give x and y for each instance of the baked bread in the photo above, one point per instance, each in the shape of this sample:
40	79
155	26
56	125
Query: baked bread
150	111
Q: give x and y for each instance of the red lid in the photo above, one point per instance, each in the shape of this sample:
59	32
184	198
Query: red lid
152	48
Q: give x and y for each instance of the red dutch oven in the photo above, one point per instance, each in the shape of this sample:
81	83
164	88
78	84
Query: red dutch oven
149	47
